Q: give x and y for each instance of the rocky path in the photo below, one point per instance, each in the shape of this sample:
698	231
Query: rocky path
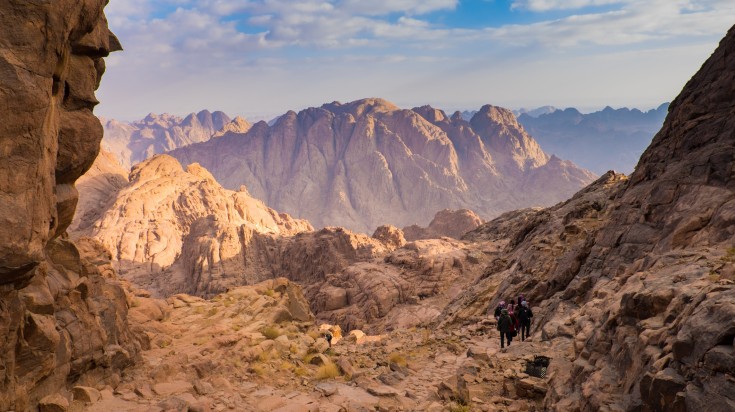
247	350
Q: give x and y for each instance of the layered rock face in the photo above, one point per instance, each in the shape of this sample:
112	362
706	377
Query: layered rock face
367	163
635	278
449	223
62	314
134	142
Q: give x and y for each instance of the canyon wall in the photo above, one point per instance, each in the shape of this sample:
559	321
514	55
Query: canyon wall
62	313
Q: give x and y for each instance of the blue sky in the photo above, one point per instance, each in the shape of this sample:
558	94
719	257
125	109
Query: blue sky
259	58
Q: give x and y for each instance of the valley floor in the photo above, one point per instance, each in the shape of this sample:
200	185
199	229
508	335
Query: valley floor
244	351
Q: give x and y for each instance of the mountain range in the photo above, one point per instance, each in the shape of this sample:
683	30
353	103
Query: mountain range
609	139
366	163
133	142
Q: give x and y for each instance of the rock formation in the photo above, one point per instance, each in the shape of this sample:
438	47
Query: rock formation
167	218
367	163
635	277
450	223
63	316
134	142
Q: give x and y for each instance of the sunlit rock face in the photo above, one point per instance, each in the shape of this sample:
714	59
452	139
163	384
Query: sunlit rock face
367	163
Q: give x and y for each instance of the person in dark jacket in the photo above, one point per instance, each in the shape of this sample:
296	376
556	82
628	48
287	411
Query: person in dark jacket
500	307
524	317
505	326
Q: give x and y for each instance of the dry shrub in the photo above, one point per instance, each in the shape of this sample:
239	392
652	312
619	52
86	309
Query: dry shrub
270	332
327	371
398	359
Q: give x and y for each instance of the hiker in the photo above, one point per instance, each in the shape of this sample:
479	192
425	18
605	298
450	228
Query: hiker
524	316
505	326
499	308
521	299
328	337
513	311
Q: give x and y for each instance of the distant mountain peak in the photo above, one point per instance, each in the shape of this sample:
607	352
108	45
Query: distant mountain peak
133	142
366	163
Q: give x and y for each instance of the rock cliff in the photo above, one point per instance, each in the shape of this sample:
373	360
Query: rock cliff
367	163
133	142
63	316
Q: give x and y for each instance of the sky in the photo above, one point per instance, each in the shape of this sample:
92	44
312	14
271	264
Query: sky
260	58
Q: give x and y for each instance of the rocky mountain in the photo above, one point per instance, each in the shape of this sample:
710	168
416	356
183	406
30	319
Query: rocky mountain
449	223
134	142
610	139
535	112
182	221
63	313
366	163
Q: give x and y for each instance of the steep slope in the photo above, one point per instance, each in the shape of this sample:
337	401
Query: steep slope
134	142
610	139
634	279
367	163
63	315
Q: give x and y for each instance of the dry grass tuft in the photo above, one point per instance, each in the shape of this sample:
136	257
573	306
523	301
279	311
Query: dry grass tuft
397	358
270	332
327	371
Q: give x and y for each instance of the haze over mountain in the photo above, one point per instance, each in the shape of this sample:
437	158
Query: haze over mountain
366	163
609	139
133	142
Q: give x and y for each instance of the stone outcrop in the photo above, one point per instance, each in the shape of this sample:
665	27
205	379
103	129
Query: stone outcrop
184	222
63	315
133	142
367	163
635	276
449	223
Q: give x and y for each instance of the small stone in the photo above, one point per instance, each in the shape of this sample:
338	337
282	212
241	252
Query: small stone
86	394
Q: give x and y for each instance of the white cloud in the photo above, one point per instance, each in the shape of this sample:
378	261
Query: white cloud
547	5
309	51
383	7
